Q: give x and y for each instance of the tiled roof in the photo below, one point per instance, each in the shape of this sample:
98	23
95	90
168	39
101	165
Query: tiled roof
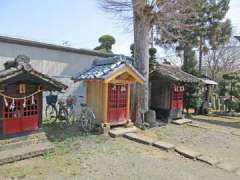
14	71
174	73
103	67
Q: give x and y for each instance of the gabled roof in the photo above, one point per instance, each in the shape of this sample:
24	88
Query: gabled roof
25	70
173	73
108	68
237	37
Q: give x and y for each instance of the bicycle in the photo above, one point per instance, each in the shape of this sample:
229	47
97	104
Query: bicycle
85	118
63	112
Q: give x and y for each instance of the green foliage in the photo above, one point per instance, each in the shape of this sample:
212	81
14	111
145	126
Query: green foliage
232	105
190	61
208	30
193	97
106	43
152	58
230	86
132	50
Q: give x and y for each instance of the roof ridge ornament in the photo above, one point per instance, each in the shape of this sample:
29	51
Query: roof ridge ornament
23	62
22	59
20	62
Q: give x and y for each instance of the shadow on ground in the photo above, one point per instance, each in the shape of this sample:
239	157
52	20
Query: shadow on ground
56	134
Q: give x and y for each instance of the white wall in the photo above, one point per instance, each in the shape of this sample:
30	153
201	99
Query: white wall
58	64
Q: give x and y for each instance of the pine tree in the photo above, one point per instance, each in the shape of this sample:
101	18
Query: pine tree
106	43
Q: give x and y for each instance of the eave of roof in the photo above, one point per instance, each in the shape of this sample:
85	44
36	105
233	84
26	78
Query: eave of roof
208	81
108	68
174	73
32	43
13	72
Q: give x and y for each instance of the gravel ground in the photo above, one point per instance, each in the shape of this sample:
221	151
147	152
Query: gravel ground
223	146
99	157
220	122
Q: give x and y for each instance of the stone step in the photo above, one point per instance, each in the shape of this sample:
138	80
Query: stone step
209	160
181	121
139	138
22	143
189	153
29	151
24	137
164	145
227	166
120	131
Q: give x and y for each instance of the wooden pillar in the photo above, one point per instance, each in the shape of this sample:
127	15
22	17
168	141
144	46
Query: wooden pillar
105	103
129	101
40	109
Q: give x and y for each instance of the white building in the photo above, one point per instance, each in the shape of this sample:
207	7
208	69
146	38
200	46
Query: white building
57	61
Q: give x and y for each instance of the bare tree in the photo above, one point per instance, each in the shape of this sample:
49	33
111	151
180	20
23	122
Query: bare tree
166	14
222	60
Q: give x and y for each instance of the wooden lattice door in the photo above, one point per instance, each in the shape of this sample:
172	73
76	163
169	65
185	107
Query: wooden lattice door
20	117
117	103
177	97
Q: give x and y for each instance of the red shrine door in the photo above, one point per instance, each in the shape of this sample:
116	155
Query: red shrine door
177	97
117	103
20	117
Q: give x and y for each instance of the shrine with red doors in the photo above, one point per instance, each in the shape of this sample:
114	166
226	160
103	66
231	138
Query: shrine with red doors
21	89
108	82
167	87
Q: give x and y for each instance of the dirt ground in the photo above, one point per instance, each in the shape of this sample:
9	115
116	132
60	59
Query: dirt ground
228	123
103	158
216	141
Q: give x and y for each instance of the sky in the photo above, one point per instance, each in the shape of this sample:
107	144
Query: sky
80	22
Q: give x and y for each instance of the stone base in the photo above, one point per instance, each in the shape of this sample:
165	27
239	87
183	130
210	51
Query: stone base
105	128
150	118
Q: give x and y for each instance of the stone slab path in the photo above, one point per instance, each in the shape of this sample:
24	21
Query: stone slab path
182	150
187	152
120	131
209	160
182	121
138	137
164	145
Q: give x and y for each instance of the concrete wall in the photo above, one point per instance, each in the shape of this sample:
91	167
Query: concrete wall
58	64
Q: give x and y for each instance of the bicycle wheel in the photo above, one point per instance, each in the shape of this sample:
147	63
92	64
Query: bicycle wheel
63	119
87	120
71	115
51	113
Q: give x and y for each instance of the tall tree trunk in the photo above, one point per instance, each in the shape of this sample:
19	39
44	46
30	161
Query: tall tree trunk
141	56
200	55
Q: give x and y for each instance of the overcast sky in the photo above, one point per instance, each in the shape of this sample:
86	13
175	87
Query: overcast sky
80	22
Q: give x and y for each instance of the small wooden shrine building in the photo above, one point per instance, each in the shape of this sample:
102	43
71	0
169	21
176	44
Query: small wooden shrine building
108	83
167	90
21	90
